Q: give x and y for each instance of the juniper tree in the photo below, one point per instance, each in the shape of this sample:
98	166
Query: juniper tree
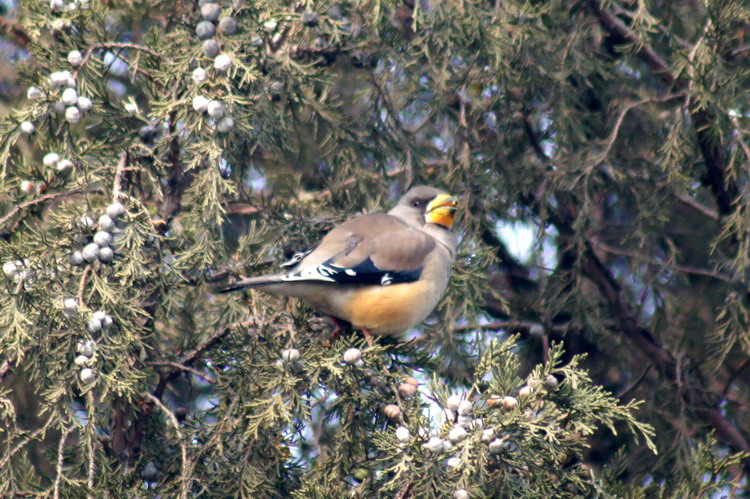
150	152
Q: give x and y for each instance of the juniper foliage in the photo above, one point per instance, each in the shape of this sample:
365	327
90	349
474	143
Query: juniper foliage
139	169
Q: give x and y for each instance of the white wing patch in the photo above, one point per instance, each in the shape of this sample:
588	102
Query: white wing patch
319	273
361	274
296	258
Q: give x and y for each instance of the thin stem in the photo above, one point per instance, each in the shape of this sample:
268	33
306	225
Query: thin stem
118	175
183	367
60	459
90	409
23	443
47	197
680	268
183	448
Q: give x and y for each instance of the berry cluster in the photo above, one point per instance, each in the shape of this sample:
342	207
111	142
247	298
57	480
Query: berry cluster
222	62
50	160
290	358
63	98
86	348
60	5
61	94
469	421
459	412
21	271
85	358
100	246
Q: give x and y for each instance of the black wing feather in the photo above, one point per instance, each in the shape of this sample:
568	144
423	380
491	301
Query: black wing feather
365	272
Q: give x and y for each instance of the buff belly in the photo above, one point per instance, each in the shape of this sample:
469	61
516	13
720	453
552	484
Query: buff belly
382	310
390	309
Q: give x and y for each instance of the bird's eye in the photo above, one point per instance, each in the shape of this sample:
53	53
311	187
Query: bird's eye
417	203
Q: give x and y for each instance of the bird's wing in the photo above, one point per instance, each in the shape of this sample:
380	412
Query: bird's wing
369	249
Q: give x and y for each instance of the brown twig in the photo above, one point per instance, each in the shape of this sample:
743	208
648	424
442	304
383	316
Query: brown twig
118	175
389	108
274	46
739	50
117	45
32	202
508	325
25	441
121	45
181	437
653	261
16	32
191	356
692	203
241	208
91	471
352	180
405	492
178	180
8	364
635	382
82	284
60	460
182	367
696	394
716	177
245	208
602	156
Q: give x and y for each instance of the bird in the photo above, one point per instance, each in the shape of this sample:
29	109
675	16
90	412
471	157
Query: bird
383	273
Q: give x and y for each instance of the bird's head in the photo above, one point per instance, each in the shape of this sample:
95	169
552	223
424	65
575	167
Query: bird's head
425	204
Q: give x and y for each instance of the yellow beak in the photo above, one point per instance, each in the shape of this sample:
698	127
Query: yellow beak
441	210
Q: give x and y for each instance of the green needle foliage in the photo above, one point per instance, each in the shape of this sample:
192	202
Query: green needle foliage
145	161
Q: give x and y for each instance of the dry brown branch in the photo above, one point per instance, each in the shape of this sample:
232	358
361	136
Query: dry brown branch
82	284
177	183
692	203
602	156
511	325
183	446
91	471
35	434
638	380
60	460
122	46
695	393
7	365
248	208
191	356
33	202
118	175
118	45
15	32
182	367
717	178
643	258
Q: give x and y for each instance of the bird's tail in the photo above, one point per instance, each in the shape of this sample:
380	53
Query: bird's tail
251	282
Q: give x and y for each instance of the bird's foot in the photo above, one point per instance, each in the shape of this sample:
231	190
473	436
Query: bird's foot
340	326
368	336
